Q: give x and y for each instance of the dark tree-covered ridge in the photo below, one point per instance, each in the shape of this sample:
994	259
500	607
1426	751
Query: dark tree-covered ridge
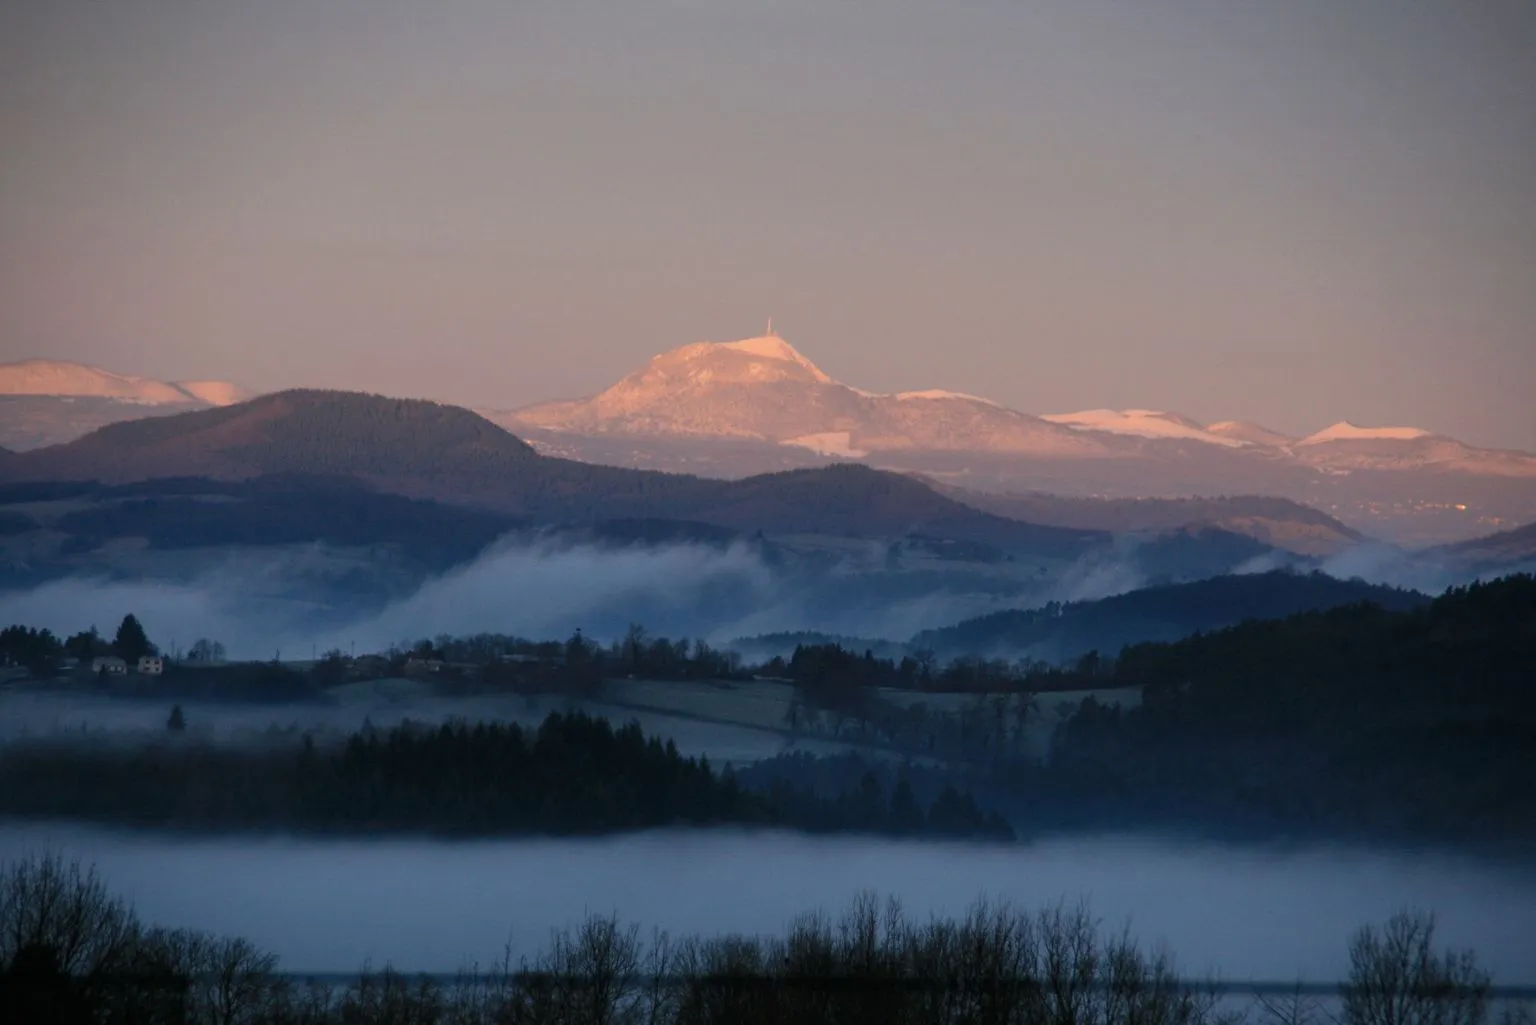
574	774
1356	720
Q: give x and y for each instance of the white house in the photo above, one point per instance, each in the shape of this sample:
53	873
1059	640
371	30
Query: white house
110	664
151	665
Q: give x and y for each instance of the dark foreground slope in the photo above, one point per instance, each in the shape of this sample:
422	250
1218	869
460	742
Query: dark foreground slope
1059	632
1357	721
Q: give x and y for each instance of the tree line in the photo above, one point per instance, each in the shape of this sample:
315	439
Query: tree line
573	774
1355	722
71	952
42	653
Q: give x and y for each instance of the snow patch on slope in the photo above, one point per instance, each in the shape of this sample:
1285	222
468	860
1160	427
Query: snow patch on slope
774	347
940	395
1143	423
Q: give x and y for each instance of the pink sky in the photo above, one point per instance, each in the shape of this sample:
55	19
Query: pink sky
1292	212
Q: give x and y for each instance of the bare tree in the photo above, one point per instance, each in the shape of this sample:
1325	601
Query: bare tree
390	998
1396	978
47	904
235	981
586	976
1294	1008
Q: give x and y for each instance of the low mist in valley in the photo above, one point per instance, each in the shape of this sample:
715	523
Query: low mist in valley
282	603
548	590
767	514
1235	913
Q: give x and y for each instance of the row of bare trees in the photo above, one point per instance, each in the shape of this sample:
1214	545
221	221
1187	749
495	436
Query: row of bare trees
70	952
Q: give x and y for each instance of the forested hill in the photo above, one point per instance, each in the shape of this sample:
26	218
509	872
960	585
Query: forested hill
572	775
1062	632
276	510
425	450
1356	720
1468	652
1280	522
1508	546
303	431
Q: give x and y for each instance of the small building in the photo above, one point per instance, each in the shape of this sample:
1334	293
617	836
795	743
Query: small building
151	665
110	664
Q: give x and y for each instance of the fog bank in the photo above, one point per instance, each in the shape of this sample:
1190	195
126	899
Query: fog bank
547	589
1242	913
543	589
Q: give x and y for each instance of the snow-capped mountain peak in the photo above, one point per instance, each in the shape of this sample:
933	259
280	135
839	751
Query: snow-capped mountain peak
63	379
776	348
763	390
1346	431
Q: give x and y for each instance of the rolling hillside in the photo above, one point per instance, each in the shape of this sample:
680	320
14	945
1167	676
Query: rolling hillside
47	402
1063	632
1278	522
425	450
1505	548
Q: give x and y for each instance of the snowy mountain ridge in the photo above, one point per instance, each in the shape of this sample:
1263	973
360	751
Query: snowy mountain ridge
764	389
63	379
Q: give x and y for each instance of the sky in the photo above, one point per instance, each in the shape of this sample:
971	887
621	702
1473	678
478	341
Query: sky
1293	213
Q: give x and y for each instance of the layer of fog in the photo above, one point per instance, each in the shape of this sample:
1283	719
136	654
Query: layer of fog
548	590
1242	913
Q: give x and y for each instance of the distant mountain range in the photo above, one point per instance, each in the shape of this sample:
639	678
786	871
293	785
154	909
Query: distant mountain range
59	378
744	408
44	402
362	498
764	390
759	404
421	449
340	501
426	450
